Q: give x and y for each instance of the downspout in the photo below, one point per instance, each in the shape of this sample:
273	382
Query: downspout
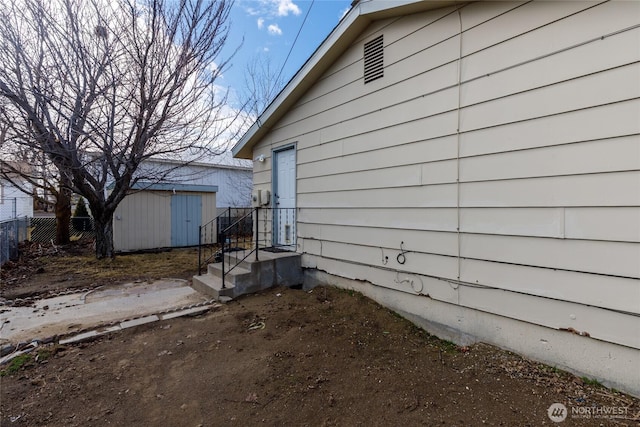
458	153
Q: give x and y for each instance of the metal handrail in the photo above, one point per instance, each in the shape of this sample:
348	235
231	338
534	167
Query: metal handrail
238	221
223	235
210	224
236	233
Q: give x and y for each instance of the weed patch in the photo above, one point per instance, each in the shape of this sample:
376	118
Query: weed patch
17	363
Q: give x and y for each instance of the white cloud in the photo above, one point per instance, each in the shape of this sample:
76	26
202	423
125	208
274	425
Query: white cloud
270	8
265	49
344	12
260	23
274	30
213	68
286	6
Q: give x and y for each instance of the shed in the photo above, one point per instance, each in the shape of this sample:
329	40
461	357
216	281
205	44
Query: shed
162	215
474	166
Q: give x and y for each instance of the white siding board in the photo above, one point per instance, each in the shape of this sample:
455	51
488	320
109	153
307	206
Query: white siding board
341	88
377	118
401	197
517	22
614	51
609	155
430	127
611	258
382	178
439	30
615	224
386	239
416	152
327	150
569	191
588	25
349	104
556	314
539	222
443	219
478	13
262	177
416	263
582	288
596	89
432	25
415	64
347	69
600	122
440	172
434	288
363	114
375	27
309	245
305	134
350	57
609	224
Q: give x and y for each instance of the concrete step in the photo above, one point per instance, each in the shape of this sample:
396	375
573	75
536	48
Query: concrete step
211	285
234	276
264	257
233	258
249	276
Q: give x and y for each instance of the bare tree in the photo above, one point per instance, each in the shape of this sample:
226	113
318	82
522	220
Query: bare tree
100	86
29	170
262	83
26	172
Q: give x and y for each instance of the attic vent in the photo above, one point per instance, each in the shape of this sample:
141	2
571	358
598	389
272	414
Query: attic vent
373	59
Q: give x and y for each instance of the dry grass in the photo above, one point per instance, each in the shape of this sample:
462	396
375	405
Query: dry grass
75	266
174	263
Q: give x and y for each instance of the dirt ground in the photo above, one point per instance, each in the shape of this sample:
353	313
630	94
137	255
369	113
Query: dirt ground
285	357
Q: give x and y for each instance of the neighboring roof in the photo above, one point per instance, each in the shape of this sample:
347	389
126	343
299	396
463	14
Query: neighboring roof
361	14
150	186
223	160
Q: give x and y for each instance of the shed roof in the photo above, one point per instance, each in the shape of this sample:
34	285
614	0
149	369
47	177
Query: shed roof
361	14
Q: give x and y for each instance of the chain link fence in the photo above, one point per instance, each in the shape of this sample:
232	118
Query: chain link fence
8	208
43	230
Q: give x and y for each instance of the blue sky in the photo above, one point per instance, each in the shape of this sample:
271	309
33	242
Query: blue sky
269	27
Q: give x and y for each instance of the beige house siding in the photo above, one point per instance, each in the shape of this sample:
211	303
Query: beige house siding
505	161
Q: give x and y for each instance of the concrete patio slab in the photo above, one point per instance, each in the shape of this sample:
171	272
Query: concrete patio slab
71	313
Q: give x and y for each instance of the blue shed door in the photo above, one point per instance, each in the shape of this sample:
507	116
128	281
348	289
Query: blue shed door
186	215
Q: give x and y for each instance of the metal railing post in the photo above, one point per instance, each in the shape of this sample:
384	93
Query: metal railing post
257	229
224	240
199	249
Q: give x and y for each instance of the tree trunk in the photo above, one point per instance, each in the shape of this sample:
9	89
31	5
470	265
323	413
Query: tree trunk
63	215
104	235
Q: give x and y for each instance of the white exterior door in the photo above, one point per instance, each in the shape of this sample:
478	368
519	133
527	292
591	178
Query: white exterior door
284	197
